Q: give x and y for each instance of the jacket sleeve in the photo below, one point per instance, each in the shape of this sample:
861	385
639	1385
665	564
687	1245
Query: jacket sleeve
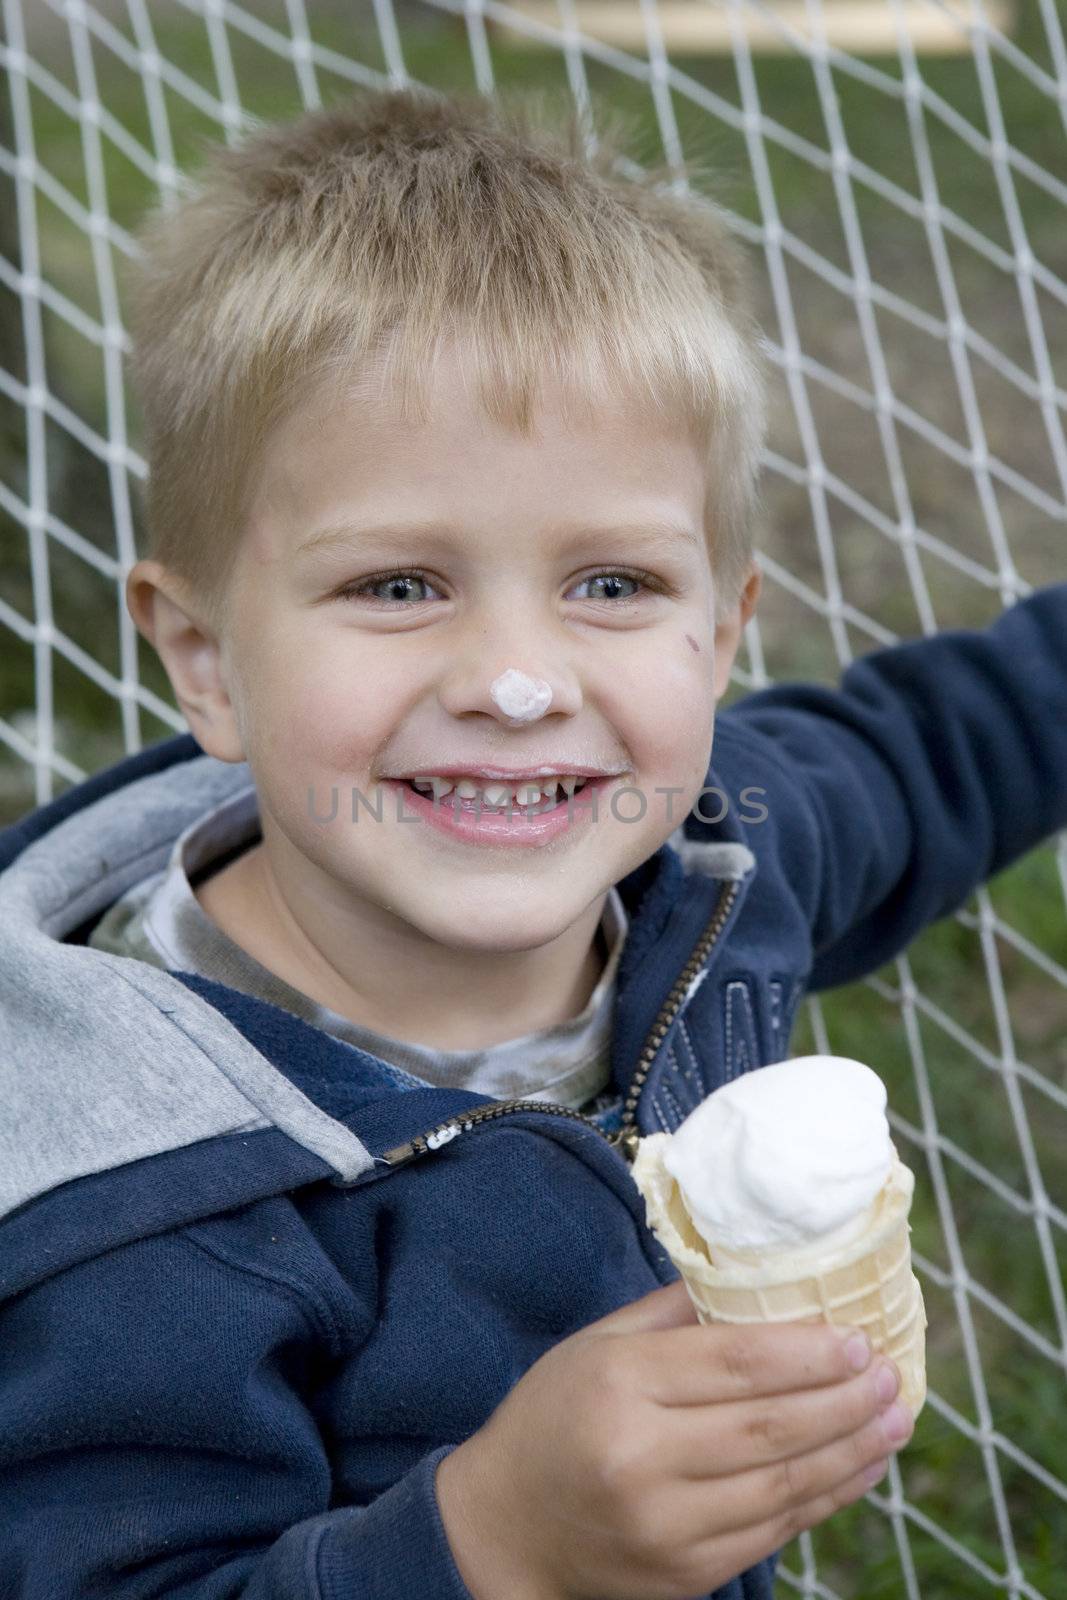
931	767
158	1438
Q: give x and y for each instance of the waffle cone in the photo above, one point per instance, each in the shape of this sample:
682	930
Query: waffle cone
867	1283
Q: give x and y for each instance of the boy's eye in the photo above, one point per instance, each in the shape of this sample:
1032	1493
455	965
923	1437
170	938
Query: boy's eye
612	580
397	585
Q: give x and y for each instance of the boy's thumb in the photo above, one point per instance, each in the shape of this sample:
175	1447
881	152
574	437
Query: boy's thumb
668	1307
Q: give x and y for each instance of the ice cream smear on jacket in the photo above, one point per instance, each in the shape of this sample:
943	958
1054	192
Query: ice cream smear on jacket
787	1157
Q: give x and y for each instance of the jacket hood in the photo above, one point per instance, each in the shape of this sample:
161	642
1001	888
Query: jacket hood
106	1060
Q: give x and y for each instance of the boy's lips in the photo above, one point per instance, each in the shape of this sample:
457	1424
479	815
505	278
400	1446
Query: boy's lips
471	823
563	769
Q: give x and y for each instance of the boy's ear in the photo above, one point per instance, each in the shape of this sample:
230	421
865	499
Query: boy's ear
728	632
169	618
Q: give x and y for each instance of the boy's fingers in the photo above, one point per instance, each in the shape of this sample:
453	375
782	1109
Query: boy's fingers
786	1491
742	1546
732	1549
732	1438
704	1364
668	1307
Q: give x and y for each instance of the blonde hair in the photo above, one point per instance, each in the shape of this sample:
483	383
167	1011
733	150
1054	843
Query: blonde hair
364	236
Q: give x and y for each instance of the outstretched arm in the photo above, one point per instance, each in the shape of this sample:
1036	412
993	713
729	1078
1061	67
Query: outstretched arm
931	767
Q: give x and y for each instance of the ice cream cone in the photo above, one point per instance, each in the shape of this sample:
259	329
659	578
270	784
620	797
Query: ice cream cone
865	1283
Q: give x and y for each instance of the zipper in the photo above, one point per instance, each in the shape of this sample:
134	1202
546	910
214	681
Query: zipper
626	1138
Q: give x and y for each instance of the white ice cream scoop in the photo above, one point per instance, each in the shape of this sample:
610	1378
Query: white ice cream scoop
519	697
784	1155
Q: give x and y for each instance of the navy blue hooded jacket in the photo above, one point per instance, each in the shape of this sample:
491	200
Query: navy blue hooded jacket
237	1336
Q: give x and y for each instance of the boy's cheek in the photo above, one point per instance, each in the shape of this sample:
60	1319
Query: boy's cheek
325	704
675	699
339	709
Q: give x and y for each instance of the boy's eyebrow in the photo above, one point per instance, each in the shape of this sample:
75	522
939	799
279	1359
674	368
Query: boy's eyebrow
650	530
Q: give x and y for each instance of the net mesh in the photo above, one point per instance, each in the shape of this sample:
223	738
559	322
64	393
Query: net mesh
906	219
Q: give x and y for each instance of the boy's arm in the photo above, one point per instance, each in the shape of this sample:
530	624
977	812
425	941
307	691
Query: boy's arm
157	1438
934	764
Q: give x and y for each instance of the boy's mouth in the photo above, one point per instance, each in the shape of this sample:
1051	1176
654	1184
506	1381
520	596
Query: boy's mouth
531	795
529	814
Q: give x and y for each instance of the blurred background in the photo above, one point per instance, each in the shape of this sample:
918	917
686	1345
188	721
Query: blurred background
898	170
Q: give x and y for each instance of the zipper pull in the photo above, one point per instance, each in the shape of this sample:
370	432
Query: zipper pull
401	1153
626	1142
420	1145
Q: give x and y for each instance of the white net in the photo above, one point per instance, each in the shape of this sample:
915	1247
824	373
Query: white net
895	167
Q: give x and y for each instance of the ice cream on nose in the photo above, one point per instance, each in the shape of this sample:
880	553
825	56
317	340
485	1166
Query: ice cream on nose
519	697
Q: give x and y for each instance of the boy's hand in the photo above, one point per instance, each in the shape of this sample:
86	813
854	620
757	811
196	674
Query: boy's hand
648	1457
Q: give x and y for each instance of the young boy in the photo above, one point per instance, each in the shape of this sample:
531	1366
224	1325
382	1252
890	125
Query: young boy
325	1045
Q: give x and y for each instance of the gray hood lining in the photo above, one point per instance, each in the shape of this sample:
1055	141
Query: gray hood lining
105	1060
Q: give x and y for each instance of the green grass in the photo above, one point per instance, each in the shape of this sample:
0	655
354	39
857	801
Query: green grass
942	1470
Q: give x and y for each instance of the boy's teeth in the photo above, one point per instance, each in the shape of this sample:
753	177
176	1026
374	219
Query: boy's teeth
496	794
438	787
529	793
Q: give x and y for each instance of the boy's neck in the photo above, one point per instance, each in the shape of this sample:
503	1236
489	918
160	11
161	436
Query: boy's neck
503	996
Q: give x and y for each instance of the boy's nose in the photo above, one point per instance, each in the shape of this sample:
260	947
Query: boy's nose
521	698
513	694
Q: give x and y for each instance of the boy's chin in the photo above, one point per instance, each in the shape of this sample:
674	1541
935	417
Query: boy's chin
498	923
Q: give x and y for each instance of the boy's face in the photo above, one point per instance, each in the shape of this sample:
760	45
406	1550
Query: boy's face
505	542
